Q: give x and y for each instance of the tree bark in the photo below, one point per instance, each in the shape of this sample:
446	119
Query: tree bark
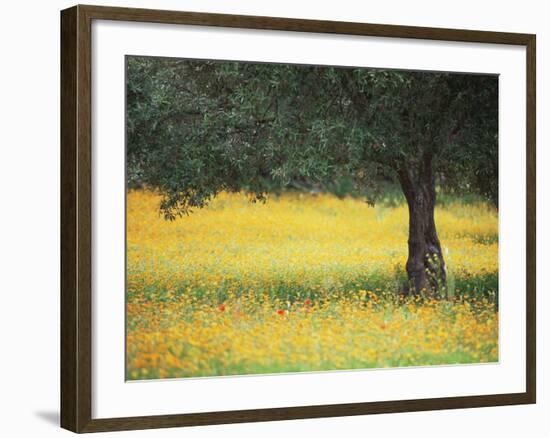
425	264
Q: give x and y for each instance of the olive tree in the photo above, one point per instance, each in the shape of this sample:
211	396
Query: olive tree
196	128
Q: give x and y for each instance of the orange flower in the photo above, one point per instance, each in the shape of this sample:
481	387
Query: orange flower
221	308
307	302
280	312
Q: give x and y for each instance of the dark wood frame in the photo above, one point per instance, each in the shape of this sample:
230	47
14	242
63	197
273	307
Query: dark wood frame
76	238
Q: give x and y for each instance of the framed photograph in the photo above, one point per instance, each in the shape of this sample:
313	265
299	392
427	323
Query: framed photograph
271	218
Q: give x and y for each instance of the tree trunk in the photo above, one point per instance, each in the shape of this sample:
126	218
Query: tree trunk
425	264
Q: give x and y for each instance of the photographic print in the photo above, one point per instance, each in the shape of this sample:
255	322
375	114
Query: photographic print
297	218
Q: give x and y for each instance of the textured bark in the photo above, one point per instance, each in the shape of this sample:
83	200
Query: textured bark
425	264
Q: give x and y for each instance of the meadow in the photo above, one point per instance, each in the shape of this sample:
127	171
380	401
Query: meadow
303	282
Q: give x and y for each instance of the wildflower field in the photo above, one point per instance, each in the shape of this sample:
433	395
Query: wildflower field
302	283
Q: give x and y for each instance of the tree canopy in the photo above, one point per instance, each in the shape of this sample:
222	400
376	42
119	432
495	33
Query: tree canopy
196	128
